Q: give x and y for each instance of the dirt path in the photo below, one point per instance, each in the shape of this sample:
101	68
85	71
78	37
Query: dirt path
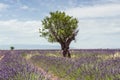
47	75
1	57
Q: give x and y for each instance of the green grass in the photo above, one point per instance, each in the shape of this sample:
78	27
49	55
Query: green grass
61	70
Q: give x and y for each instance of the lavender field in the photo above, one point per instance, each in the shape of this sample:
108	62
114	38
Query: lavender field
85	64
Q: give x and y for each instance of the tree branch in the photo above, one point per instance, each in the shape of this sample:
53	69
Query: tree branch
72	37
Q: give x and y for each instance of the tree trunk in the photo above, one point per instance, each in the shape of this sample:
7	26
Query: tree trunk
69	55
65	50
66	53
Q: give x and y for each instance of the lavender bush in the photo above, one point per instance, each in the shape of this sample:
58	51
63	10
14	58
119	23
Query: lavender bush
86	65
14	67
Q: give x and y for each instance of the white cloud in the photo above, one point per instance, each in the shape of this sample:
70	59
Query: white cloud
100	26
23	26
106	10
20	32
3	6
98	33
24	7
92	33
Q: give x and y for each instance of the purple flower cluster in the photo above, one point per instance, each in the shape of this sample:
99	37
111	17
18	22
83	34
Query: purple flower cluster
87	67
96	64
14	67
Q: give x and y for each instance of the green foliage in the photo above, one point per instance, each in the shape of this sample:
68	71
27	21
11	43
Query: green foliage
59	27
83	66
12	48
27	76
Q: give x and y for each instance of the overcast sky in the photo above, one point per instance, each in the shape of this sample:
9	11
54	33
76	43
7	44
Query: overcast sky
99	21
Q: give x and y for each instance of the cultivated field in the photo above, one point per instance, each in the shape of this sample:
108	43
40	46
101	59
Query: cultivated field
85	64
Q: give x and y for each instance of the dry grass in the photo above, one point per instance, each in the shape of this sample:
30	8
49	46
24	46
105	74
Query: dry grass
111	56
1	57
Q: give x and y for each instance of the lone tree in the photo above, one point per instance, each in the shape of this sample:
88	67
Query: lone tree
61	28
11	48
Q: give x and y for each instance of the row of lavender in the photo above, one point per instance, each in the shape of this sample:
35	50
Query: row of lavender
71	50
14	67
91	66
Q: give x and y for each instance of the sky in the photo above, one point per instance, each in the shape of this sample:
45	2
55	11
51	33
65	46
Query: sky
99	22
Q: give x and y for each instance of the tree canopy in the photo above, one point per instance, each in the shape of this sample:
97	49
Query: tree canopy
59	27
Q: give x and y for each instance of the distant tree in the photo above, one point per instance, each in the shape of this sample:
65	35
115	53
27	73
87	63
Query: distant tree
12	48
61	28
